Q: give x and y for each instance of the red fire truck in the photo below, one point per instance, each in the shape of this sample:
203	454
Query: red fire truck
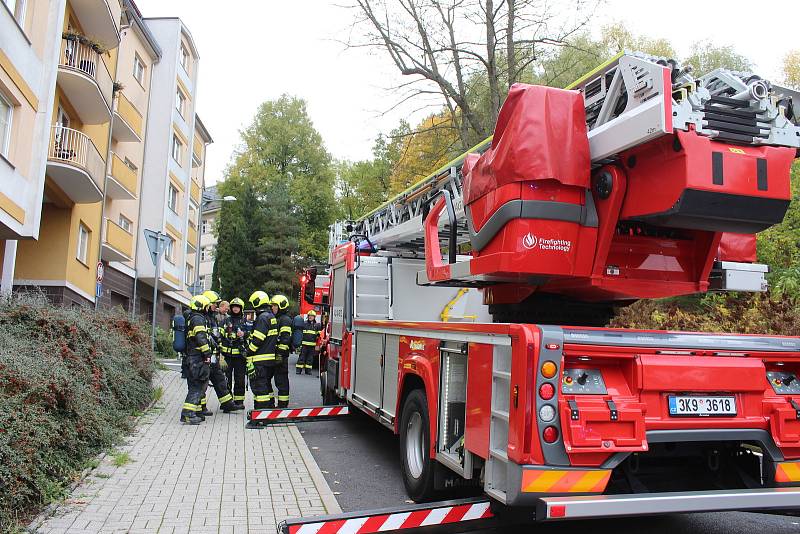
640	182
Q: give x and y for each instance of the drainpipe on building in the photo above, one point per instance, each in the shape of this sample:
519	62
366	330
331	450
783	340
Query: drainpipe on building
107	170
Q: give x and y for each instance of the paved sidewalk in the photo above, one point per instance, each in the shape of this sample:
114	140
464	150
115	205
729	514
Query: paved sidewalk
215	477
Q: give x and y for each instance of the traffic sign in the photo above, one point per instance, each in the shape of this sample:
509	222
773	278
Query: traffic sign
100	271
155	243
98	290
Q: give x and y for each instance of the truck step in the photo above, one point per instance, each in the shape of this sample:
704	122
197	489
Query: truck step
593	506
296	415
456	516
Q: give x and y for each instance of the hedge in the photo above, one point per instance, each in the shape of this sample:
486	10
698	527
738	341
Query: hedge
70	379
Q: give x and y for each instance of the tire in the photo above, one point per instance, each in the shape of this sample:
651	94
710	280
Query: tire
418	468
328	395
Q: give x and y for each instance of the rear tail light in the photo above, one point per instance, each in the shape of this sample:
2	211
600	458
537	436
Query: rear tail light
547	391
550	434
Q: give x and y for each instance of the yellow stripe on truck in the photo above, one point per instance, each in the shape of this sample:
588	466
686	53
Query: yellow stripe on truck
787	472
565	481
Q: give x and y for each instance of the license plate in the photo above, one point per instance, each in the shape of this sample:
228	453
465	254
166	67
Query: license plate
695	406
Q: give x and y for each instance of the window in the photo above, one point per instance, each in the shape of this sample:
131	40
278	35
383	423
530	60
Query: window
184	58
83	243
17	8
193	214
169	250
206	253
138	70
189	278
130	165
177	149
125	223
172	199
5	125
206	226
180	102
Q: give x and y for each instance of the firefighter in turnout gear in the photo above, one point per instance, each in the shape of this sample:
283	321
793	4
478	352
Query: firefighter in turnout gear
280	307
217	377
198	360
233	349
261	352
308	347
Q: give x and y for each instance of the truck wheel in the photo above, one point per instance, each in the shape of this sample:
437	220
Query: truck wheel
328	395
415	447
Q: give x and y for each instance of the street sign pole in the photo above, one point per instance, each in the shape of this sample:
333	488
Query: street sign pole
155	242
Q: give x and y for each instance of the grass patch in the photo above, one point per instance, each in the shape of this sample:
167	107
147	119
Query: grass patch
120	458
158	392
92	463
102	475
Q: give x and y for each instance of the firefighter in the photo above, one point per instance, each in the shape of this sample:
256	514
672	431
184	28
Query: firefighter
261	358
308	347
198	360
233	331
217	377
280	307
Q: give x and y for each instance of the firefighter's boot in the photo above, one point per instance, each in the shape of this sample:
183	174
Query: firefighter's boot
308	370
283	404
299	371
190	418
230	406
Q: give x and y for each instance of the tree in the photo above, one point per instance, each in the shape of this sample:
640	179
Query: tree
443	44
283	179
432	144
706	57
791	68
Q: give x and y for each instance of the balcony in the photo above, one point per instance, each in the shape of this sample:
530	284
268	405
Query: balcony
75	165
117	243
192	237
127	126
100	19
123	181
84	79
197	152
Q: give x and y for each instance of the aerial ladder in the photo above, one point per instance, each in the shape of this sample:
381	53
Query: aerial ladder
639	181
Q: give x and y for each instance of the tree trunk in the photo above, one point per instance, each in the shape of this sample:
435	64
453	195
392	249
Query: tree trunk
491	62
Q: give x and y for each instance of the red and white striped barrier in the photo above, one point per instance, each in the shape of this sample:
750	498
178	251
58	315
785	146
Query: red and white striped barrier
293	415
382	521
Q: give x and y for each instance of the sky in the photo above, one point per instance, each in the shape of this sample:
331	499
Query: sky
255	50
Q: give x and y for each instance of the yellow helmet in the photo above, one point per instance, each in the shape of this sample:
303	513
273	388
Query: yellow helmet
199	303
212	296
259	299
237	302
312	313
280	301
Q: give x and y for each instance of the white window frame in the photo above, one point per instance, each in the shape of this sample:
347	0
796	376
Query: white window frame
5	133
173	200
189	276
125	223
138	69
206	253
184	52
177	146
193	212
180	102
84	237
169	250
207	225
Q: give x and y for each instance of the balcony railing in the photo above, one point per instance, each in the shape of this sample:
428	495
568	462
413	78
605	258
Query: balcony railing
83	58
123	174
128	112
119	239
77	149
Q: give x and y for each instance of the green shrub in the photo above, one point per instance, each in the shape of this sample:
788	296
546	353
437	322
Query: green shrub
69	378
742	313
164	344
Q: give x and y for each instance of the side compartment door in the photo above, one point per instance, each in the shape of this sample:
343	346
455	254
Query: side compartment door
368	369
391	363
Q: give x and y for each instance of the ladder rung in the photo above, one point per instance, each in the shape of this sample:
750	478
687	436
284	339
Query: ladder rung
498	454
500	414
371	295
502	374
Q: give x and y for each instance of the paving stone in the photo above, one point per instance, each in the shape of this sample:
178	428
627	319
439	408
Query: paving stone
215	477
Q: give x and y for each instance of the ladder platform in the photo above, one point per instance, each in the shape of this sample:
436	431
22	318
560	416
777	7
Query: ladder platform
446	516
295	415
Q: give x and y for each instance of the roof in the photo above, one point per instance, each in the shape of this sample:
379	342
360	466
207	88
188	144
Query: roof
136	21
214	203
202	128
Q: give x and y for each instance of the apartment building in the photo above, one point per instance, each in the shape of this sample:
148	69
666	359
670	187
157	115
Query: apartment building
30	43
139	52
99	140
169	192
198	204
208	241
63	259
